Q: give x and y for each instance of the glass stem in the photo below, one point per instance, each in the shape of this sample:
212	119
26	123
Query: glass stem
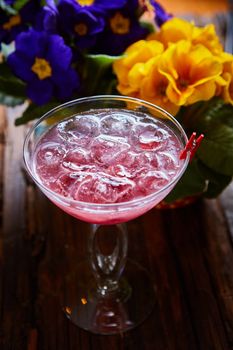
108	251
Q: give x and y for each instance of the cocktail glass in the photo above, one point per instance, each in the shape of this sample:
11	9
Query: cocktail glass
107	293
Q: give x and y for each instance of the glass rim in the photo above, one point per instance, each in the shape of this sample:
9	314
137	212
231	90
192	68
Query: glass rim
103	205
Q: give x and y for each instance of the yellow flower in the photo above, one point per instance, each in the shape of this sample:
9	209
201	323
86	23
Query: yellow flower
222	80
172	31
191	71
130	68
154	86
207	37
177	29
227	76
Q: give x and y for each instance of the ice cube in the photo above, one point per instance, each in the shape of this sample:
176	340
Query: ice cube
49	157
104	188
169	161
132	162
127	159
106	148
150	137
152	181
119	170
75	158
50	152
63	185
79	130
118	124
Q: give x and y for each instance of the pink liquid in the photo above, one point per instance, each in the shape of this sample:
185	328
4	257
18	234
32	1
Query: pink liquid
107	157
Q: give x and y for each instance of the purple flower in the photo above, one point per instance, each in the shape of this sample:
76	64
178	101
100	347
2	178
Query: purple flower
123	28
161	15
12	25
43	61
95	5
10	2
80	23
47	18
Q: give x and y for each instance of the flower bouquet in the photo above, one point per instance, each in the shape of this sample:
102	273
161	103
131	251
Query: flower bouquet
53	51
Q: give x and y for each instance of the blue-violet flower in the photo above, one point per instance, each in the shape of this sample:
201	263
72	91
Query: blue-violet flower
12	25
43	61
122	29
80	23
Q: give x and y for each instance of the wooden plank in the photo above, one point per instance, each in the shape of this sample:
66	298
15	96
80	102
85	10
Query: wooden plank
173	308
2	145
15	300
186	235
226	200
218	251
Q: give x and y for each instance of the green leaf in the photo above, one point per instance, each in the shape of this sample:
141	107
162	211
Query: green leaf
97	74
5	71
149	26
194	114
191	183
215	182
10	84
33	112
19	4
214	119
217	149
12	90
199	179
103	60
13	87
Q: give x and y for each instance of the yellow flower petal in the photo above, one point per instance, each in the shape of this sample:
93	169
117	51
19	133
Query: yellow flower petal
120	70
204	92
136	74
227	76
193	66
205	71
154	85
208	38
142	51
177	97
129	68
127	90
172	31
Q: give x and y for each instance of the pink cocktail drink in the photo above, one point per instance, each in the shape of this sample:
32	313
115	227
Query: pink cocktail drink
108	165
106	160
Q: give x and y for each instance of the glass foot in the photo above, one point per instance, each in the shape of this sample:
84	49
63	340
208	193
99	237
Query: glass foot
118	311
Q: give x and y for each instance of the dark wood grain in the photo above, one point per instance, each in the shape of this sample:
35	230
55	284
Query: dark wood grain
188	252
2	151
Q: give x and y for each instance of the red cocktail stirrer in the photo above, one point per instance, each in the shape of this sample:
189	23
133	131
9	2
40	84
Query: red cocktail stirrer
191	146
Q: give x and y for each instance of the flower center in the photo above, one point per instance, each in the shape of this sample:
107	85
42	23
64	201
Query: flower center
120	24
85	2
162	90
182	84
42	68
81	29
13	21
